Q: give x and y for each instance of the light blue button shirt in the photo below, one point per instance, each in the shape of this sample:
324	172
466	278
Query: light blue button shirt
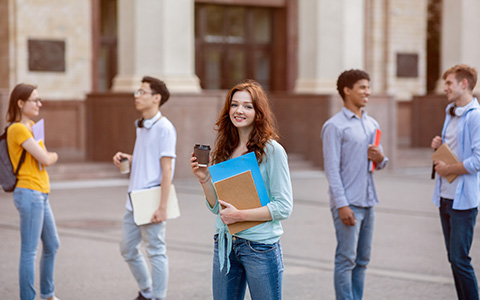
467	193
345	145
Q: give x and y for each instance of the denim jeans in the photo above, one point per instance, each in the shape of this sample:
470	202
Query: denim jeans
256	264
36	223
457	226
354	245
156	249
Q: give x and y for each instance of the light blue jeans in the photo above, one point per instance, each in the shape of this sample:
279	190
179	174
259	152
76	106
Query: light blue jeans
256	264
36	223
153	236
354	245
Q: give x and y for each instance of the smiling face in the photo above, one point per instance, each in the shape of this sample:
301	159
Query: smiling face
357	96
30	108
454	88
242	111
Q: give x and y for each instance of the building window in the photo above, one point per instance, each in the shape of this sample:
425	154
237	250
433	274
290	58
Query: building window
108	44
104	23
233	43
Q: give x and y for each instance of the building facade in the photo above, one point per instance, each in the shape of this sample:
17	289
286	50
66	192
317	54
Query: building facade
88	56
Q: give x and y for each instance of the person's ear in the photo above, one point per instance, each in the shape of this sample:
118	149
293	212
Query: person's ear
157	98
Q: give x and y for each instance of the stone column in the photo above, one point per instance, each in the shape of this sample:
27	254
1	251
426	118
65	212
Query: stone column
460	42
156	38
331	40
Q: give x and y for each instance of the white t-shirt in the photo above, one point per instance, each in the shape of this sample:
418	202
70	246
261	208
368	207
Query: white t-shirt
447	189
150	146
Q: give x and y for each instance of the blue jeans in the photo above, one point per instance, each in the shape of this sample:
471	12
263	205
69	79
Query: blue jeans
154	237
457	226
36	223
256	264
354	245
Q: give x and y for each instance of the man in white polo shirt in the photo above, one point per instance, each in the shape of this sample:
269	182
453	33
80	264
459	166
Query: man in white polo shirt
152	164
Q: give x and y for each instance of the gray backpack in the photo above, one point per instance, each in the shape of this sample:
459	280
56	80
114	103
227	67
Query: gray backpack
8	178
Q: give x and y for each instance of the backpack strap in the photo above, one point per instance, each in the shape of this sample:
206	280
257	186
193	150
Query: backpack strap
20	162
24	152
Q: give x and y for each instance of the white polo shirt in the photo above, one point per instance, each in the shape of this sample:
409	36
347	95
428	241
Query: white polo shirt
150	146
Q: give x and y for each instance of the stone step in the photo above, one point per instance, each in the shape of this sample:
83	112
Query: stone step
297	162
84	171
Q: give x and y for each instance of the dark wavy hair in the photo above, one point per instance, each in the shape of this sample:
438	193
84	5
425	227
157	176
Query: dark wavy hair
349	78
20	92
264	129
158	87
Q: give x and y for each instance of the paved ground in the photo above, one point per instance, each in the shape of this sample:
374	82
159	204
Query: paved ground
409	260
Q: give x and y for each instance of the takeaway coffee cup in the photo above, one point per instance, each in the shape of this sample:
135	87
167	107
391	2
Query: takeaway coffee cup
202	153
124	165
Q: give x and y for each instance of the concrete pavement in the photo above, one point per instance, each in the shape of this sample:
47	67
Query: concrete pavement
408	261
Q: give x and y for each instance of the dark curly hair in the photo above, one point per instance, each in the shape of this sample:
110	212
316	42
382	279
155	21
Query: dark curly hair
348	79
264	129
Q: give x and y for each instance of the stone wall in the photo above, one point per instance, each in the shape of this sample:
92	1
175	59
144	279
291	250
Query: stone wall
301	117
404	123
3	108
428	115
64	126
397	27
111	116
65	24
95	129
4	44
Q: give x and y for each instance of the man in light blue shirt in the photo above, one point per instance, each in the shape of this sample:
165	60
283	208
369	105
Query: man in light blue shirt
458	200
347	148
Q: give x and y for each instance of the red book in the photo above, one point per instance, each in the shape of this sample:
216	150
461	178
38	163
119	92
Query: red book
375	141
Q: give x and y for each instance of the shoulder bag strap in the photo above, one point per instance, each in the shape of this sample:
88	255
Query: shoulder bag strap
20	162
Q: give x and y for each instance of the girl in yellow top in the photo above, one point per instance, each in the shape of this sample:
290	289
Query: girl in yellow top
31	193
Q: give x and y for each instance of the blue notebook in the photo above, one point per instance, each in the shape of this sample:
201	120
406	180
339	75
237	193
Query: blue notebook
238	165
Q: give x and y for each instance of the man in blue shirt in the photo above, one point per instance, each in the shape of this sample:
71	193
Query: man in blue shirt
458	200
347	148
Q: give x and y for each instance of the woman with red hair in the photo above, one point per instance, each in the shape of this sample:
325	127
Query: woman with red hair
252	256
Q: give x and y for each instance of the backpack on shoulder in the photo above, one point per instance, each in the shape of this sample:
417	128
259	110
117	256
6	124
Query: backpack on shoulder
8	178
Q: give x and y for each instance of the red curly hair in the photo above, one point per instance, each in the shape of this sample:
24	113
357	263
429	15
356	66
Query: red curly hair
264	129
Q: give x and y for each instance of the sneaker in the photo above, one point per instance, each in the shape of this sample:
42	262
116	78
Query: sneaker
140	297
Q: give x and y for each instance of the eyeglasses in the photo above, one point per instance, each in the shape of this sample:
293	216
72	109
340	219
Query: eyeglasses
139	93
37	101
